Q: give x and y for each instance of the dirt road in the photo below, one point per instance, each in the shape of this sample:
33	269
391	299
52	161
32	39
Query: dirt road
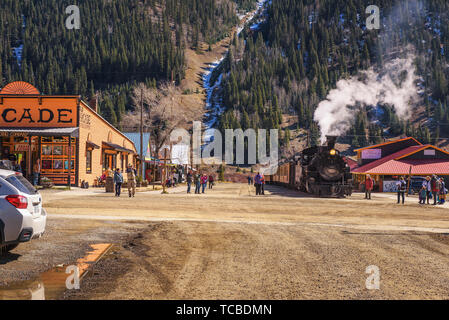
230	244
184	260
238	203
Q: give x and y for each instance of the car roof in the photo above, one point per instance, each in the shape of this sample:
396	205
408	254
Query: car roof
6	173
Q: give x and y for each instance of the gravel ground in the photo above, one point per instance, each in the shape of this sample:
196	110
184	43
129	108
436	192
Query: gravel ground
64	242
230	244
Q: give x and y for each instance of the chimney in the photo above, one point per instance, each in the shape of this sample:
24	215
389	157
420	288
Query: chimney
93	103
331	140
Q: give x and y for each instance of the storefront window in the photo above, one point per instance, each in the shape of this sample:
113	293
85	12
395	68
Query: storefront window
55	158
109	161
88	161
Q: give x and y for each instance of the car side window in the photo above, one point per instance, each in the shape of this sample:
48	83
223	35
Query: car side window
6	188
21	183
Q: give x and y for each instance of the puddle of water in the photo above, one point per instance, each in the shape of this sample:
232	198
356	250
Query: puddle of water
51	284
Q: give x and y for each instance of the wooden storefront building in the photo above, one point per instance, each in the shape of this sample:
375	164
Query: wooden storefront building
65	135
401	157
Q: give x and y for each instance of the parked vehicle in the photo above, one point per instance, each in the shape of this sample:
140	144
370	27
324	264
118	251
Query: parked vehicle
416	184
22	217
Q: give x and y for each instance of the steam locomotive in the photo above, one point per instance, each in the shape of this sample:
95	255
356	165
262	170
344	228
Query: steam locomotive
319	170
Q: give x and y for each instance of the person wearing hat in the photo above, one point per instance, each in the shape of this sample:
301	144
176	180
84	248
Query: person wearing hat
435	188
402	187
369	183
131	174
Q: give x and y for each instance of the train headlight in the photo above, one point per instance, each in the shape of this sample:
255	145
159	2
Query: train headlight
333	152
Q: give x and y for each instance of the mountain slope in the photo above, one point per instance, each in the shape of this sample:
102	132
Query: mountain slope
305	47
120	43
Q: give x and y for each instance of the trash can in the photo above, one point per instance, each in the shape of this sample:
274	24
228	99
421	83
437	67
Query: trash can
109	185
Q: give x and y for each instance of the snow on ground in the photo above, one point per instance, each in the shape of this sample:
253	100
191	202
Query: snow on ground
17	52
215	108
250	16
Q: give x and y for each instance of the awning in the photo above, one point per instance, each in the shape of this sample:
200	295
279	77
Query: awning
117	147
151	159
92	145
41	132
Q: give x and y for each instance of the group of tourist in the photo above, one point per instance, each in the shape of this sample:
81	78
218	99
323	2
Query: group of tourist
200	181
432	188
131	183
259	183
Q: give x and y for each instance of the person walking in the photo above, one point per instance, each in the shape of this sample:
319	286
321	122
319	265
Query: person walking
434	187
211	181
174	180
438	189
204	182
131	175
189	181
262	184
197	181
258	183
118	180
250	180
402	187
423	194
369	184
36	172
443	191
428	187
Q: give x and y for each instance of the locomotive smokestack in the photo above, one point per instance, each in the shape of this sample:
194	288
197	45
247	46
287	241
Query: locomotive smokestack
331	140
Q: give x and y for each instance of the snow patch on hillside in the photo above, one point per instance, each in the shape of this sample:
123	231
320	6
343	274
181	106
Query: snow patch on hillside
214	105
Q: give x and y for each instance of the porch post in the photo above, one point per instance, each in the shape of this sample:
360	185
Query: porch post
69	182
28	173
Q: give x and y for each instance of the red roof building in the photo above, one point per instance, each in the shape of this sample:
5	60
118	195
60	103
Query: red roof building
401	157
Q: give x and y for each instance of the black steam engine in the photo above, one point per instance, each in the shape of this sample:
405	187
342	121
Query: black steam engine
324	171
319	170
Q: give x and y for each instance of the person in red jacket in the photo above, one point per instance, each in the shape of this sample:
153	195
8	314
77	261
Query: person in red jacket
369	184
435	188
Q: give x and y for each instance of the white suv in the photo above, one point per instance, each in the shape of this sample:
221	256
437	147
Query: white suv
22	217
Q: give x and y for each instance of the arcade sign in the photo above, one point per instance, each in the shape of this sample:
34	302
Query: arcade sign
38	112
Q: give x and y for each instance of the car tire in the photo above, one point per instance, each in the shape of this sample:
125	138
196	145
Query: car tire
6	248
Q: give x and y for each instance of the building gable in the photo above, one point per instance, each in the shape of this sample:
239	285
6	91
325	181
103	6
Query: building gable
373	153
426	153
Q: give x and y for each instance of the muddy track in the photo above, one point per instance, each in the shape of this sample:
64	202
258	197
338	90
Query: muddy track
205	260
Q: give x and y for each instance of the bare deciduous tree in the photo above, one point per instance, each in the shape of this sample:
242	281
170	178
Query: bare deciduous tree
162	112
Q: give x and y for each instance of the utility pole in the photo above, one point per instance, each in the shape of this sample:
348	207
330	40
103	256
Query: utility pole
165	171
155	156
142	160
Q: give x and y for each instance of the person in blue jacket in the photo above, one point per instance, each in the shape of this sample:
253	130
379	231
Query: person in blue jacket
118	180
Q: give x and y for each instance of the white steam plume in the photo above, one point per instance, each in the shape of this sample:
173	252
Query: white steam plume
394	86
